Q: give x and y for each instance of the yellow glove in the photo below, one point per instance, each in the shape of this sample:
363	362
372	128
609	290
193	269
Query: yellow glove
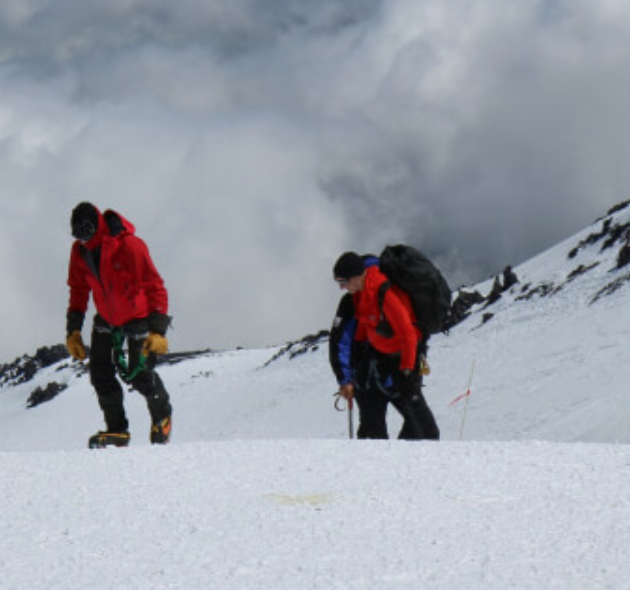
75	346
155	343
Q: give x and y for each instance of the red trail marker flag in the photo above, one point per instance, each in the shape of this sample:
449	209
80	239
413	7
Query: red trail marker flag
459	398
466	395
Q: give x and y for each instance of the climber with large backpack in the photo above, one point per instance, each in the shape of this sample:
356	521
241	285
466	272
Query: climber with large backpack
378	341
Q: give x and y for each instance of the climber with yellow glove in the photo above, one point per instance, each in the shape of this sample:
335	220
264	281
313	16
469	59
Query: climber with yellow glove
112	264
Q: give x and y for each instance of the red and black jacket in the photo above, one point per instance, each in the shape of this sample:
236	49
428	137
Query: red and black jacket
116	267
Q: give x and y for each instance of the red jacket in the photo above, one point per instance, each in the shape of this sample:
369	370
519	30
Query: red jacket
126	285
398	313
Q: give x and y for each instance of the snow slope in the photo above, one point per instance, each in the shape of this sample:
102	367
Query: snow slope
261	488
552	367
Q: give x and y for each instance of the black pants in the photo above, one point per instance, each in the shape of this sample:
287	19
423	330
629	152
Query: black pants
105	381
378	384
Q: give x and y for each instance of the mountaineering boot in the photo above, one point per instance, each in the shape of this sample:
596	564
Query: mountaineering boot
161	431
104	438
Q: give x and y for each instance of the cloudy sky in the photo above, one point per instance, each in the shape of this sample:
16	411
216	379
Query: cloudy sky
252	141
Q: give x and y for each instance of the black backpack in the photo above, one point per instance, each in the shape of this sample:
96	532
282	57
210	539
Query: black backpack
417	276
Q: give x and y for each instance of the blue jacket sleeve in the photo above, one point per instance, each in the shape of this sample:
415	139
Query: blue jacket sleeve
341	339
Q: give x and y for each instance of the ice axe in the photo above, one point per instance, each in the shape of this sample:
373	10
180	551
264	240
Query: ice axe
349	407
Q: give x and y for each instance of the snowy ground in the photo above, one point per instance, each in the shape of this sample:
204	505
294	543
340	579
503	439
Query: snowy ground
318	514
261	487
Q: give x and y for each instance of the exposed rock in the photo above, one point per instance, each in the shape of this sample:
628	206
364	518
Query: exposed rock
611	234
309	343
495	292
509	278
41	395
24	368
541	290
623	258
580	270
486	317
460	309
611	287
618	207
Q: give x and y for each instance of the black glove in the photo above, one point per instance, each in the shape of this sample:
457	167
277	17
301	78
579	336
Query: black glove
159	323
409	384
74	321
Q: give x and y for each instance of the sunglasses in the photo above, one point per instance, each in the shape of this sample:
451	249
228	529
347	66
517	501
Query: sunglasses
83	230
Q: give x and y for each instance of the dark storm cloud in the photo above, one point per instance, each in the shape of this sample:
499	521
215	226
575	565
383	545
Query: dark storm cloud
251	141
69	32
494	135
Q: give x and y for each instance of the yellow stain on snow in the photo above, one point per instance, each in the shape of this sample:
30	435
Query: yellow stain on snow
302	499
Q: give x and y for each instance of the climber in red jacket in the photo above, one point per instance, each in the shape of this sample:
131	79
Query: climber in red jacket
109	261
383	363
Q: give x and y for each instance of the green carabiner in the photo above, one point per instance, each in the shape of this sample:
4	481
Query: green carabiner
127	375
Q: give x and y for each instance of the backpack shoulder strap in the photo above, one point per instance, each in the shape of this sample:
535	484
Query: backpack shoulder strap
382	290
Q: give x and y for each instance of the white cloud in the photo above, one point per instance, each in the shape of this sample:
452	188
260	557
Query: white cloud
251	142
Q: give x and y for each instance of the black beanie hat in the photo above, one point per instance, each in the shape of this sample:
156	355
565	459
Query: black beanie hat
349	265
84	221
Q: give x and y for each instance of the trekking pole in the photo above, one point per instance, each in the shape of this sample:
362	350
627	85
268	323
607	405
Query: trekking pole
472	371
